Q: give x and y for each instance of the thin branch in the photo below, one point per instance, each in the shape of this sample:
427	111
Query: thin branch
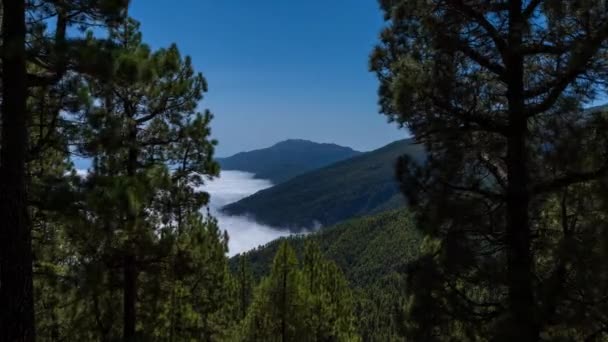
480	19
474	190
545	49
569	179
482	60
584	51
529	10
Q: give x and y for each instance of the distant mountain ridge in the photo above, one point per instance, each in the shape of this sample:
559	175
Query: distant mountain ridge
287	159
359	186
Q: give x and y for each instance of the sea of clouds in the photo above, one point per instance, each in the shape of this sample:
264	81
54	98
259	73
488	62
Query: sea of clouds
243	232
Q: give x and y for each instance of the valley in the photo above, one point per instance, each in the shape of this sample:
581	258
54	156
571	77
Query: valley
243	232
350	188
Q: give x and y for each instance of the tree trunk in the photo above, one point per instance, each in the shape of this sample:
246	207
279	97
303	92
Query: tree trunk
129	297
243	281
16	287
518	239
130	265
284	300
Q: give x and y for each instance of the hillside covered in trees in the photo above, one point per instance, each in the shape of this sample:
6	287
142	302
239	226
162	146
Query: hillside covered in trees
366	249
358	186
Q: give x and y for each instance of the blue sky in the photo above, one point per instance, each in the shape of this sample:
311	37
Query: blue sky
278	69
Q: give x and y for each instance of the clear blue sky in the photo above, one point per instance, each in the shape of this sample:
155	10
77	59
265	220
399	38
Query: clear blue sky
278	69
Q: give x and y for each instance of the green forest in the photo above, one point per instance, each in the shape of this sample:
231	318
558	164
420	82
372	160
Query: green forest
490	223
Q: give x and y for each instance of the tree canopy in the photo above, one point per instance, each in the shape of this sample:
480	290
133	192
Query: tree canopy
496	90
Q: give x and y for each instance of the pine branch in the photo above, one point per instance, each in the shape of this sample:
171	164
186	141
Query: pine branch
480	59
545	49
568	179
584	51
480	19
474	190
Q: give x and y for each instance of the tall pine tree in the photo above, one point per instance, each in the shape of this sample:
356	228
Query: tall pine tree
150	152
308	303
32	57
495	90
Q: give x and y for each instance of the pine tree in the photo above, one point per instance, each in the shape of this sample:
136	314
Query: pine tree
191	296
30	59
151	150
245	285
495	91
284	289
329	308
273	315
312	303
379	309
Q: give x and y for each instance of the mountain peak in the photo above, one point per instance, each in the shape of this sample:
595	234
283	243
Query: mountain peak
357	186
287	159
295	140
304	143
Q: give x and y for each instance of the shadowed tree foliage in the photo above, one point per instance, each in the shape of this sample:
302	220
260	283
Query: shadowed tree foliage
512	199
141	200
34	57
495	91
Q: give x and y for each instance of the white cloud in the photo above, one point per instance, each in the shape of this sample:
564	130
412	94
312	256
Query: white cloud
232	186
244	233
82	172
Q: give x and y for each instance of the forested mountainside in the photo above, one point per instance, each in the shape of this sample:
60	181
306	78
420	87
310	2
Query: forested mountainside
355	187
366	248
286	159
372	253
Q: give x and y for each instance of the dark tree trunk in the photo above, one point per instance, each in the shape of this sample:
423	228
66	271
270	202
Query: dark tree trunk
130	261
16	288
130	296
243	289
519	258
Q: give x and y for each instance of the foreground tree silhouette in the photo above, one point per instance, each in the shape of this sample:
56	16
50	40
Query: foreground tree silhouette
494	89
31	58
16	287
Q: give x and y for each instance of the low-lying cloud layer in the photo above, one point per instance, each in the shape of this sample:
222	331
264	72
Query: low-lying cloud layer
244	233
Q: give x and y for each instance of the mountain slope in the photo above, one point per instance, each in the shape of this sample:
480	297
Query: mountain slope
355	187
286	159
366	249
